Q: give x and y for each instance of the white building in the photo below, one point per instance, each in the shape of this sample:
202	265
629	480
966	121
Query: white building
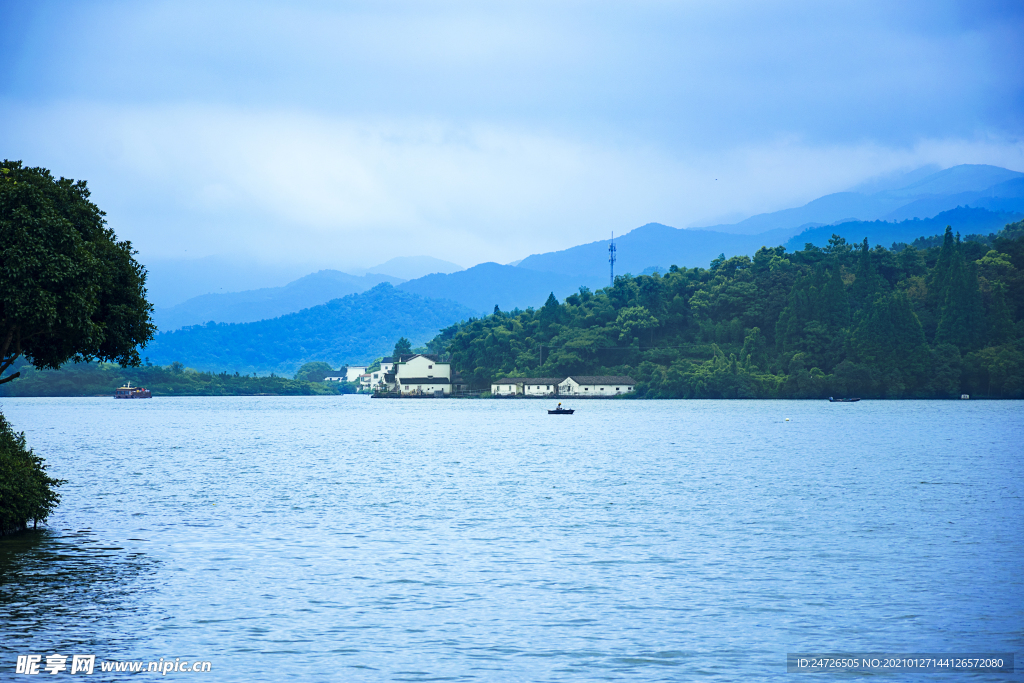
595	386
525	386
419	375
352	372
373	380
376	379
347	374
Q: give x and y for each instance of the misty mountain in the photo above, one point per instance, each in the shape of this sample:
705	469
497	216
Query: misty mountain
482	287
353	329
653	244
994	194
954	180
170	281
967	184
965	220
412	267
269	302
1007	196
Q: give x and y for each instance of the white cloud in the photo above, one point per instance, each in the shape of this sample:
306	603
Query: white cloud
290	186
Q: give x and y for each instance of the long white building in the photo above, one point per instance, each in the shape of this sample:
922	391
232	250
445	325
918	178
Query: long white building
525	386
577	386
595	386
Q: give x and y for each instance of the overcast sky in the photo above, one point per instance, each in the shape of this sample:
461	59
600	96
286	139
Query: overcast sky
343	134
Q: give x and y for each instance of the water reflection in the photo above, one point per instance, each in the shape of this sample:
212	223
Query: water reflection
65	590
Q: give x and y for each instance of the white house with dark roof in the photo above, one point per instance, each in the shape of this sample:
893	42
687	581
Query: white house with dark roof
352	373
418	375
595	386
525	386
582	386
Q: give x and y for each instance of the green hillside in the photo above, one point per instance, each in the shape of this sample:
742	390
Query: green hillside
353	329
100	379
842	321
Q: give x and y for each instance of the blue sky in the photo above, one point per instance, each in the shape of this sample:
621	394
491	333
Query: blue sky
327	134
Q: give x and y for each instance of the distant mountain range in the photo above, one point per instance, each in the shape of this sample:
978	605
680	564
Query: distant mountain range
965	220
412	267
353	329
269	302
479	289
976	185
343	318
172	281
484	286
995	195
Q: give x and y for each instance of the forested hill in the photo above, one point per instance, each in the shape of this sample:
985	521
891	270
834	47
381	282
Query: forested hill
844	320
353	329
968	220
269	302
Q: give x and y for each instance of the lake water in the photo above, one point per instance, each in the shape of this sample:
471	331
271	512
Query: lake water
343	538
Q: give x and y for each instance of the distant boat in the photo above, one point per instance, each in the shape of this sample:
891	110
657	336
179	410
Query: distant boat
842	400
561	411
128	391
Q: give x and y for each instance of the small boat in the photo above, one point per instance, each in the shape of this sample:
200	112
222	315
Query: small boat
128	391
561	411
842	400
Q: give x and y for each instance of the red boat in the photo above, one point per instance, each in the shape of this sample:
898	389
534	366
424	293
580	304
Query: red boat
128	391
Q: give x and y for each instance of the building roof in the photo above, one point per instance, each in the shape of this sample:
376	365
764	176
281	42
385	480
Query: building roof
424	380
529	380
406	359
601	379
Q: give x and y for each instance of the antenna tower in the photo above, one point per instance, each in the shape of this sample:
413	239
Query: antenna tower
611	259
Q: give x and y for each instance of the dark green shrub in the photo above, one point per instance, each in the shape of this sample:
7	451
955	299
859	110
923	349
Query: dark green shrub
26	492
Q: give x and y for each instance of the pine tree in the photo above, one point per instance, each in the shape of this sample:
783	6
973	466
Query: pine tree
890	336
403	347
961	321
938	279
836	304
868	284
1000	319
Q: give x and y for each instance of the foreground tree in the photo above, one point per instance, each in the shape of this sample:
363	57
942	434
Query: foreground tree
69	291
26	491
403	347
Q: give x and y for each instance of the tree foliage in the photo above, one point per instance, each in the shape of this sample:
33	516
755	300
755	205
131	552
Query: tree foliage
99	379
353	329
314	371
403	347
69	290
26	491
840	320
